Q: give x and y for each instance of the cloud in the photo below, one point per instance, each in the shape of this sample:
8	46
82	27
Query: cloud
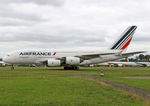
92	24
39	2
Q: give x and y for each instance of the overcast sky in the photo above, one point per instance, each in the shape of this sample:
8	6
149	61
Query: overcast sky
72	24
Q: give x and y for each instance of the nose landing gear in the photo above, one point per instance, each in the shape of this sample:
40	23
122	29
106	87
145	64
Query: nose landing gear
12	68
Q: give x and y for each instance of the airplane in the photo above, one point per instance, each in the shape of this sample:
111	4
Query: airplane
144	64
74	59
2	63
123	64
118	64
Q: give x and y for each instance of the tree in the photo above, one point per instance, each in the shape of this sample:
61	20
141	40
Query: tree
141	57
147	57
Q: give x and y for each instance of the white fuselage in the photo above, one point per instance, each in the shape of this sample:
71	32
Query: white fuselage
35	57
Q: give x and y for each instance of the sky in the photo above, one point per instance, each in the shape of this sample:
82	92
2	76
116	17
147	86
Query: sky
72	24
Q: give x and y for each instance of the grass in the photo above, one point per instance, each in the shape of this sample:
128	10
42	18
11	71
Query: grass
55	88
114	74
118	73
139	83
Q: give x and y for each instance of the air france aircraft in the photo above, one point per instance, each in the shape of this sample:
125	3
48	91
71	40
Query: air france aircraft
73	59
118	64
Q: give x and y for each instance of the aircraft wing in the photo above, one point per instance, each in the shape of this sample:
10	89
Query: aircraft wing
89	56
132	53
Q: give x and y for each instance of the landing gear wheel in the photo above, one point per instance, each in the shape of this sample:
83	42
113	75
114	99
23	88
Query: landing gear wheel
75	68
65	68
71	68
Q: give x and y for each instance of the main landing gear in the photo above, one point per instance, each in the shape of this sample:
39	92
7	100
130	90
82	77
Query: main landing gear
71	68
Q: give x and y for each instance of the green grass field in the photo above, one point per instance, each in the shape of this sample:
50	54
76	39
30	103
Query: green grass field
120	72
59	87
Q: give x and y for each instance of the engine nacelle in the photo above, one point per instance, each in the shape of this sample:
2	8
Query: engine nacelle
53	63
73	60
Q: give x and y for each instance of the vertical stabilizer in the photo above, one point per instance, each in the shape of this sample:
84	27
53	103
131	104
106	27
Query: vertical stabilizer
123	42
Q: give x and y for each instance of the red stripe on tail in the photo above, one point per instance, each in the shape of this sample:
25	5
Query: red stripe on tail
126	44
54	53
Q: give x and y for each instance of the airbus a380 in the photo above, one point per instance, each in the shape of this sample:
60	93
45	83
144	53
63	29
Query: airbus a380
73	59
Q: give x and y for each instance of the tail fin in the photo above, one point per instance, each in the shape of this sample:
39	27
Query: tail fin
123	42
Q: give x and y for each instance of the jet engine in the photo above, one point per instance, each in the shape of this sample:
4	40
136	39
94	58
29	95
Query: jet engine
73	60
53	63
